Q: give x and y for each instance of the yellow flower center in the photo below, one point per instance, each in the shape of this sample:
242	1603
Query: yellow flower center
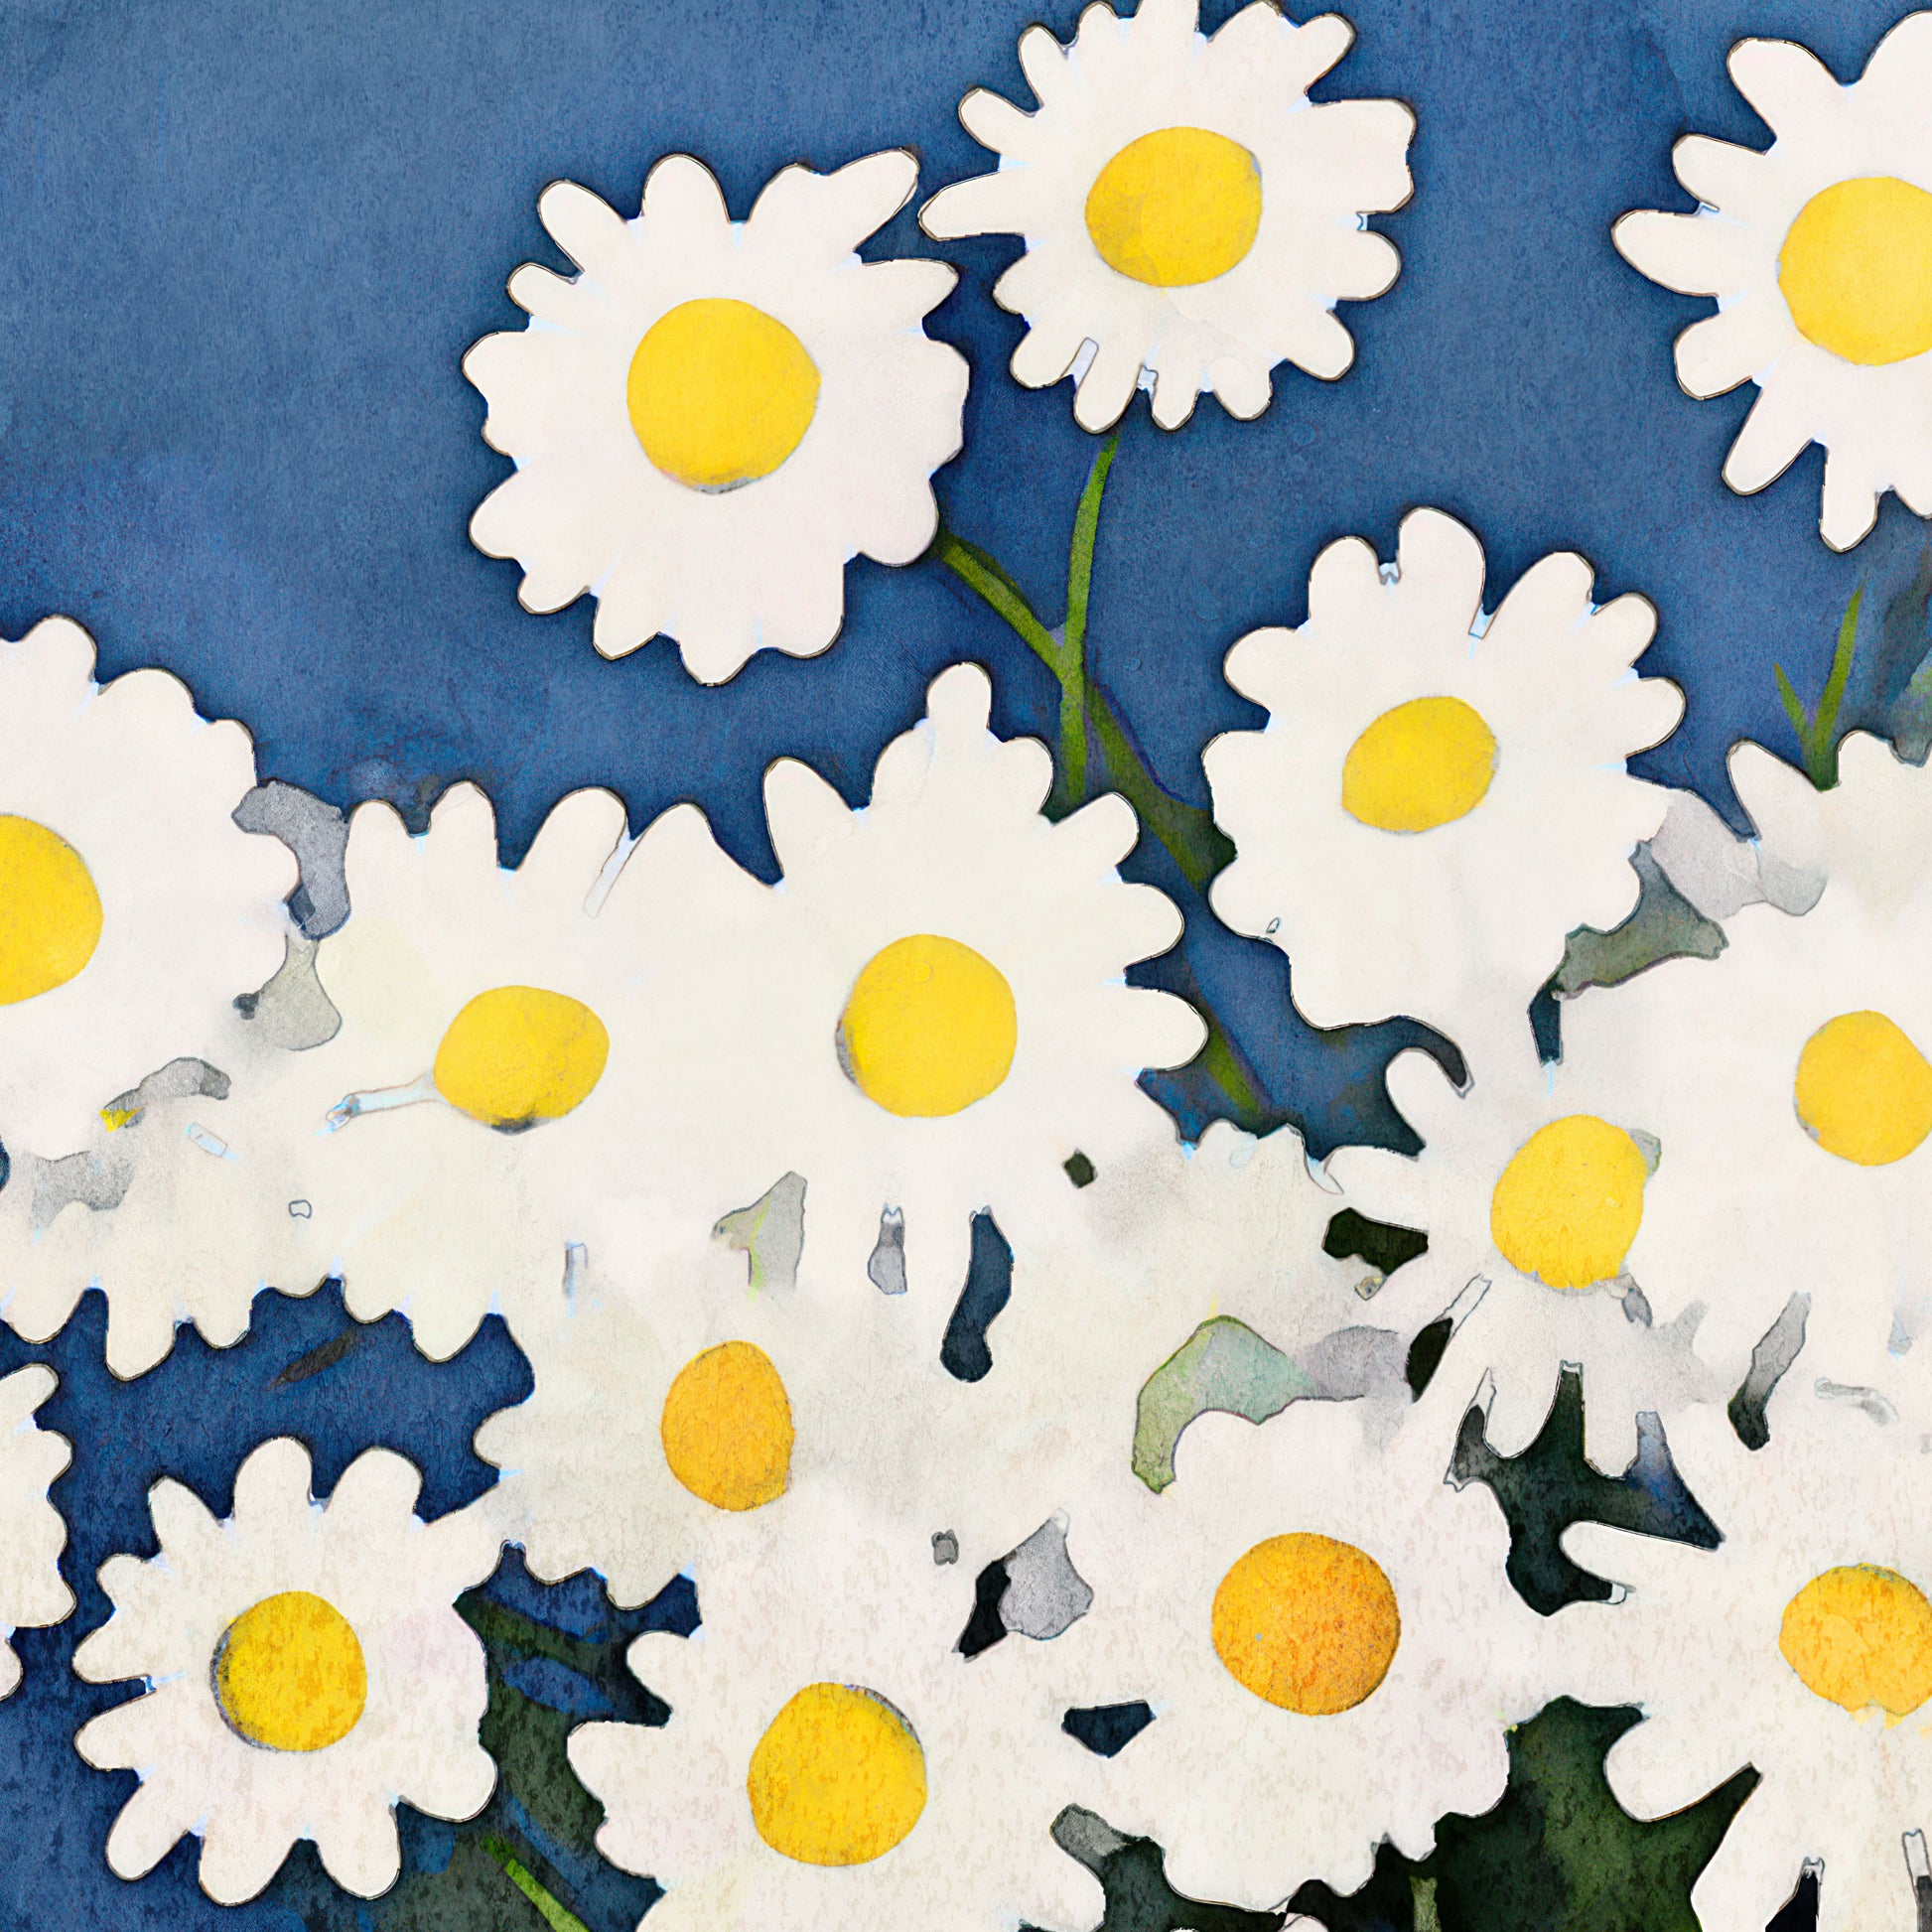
1570	1202
1863	1091
929	1028
1859	1636
289	1674
726	1427
1307	1623
720	393
50	911
1420	766
1176	207
516	1055
1856	270
838	1778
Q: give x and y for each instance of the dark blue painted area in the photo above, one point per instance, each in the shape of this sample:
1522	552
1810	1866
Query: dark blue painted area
196	1418
244	250
1107	1730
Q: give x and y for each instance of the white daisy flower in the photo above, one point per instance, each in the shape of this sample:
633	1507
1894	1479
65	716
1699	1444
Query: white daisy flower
1440	794
480	1014
671	1397
713	418
1533	1188
833	1758
132	909
491	1070
930	1015
304	1671
1328	1641
1234	1226
32	1534
1190	218
1801	1646
183	1203
1819	250
1788	1084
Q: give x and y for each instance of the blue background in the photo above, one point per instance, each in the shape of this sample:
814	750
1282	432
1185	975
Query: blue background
244	248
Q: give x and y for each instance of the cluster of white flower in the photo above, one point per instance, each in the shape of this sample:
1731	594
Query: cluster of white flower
860	1278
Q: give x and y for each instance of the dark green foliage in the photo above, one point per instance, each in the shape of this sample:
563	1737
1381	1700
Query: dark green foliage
1382	1245
1550	1487
1426	1354
1560	1855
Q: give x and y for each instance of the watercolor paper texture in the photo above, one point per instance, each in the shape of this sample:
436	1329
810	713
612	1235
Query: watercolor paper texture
965	969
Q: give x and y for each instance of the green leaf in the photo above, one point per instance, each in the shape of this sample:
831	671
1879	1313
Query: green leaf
1794	709
1663	926
1559	1854
1818	733
1825	726
1222	1365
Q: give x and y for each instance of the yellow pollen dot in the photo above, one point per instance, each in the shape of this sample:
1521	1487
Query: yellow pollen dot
929	1028
50	911
1856	270
1570	1202
1420	766
289	1674
1307	1623
720	393
726	1427
1863	1091
838	1778
516	1055
1859	1636
1176	207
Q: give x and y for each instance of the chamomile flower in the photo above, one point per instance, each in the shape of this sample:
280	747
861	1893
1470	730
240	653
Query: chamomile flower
189	1198
1800	1646
1329	1641
928	1017
1819	250
713	418
32	1534
1440	794
1534	1188
833	1757
132	909
305	1669
489	1069
1190	218
673	1395
1788	1085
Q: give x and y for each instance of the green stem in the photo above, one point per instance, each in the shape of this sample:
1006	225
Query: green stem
1225	1068
1194	842
497	1624
1198	846
1079	587
980	573
553	1914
